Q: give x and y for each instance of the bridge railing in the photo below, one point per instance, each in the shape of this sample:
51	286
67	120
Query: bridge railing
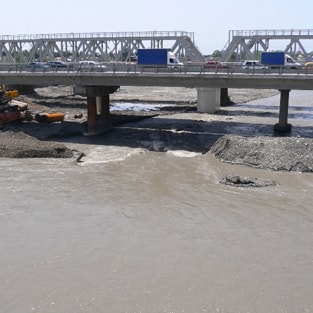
125	68
270	33
107	35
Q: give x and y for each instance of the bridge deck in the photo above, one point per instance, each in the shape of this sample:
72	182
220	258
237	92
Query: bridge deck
129	75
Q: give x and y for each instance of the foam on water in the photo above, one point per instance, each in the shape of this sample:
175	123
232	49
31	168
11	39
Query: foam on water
124	106
182	153
107	154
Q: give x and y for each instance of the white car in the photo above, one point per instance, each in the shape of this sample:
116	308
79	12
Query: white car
253	65
91	66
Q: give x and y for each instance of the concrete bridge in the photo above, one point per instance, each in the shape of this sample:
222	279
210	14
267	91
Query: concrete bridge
210	85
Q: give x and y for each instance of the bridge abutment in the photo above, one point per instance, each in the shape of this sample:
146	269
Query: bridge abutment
282	126
209	99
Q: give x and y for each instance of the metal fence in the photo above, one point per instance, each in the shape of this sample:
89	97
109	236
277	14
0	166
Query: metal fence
119	67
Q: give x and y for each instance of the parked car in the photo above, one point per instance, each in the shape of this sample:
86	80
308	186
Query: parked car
253	65
37	67
215	64
91	66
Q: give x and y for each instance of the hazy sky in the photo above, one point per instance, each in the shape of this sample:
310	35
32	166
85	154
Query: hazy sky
210	21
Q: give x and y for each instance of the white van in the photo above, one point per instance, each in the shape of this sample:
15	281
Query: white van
291	63
172	60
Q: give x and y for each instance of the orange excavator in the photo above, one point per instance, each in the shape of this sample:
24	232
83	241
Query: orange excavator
9	112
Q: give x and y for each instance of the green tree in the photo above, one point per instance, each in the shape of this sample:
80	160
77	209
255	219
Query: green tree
217	54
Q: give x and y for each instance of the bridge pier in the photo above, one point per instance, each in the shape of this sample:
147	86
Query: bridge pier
98	109
225	99
282	126
209	99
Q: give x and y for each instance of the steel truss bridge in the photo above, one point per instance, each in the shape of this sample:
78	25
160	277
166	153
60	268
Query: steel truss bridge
246	44
103	47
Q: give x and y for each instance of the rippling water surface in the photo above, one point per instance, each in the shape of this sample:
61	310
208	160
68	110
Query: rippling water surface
132	230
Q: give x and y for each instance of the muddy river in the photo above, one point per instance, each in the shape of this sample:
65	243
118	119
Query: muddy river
134	230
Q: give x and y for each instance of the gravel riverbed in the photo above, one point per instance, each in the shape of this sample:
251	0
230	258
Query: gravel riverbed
32	139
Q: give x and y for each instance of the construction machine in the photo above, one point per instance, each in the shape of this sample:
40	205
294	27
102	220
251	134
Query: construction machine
10	112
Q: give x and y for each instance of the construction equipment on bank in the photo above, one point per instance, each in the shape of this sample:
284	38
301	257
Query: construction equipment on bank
7	95
8	111
19	111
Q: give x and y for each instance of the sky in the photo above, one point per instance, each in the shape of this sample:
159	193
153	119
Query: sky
210	21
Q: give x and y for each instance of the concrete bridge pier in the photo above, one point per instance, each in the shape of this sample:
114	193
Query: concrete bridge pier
282	126
98	109
225	99
209	99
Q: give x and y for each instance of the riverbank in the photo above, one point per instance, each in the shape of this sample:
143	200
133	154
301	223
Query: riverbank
235	134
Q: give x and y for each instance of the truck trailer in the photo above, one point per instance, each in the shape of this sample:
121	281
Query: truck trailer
157	58
278	59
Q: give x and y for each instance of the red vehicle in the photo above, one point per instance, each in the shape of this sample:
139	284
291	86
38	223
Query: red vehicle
215	64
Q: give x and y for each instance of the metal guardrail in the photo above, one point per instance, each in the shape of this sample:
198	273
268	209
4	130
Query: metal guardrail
196	68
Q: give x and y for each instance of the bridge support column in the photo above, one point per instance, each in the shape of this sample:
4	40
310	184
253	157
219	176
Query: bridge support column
225	99
91	115
105	107
282	126
98	109
209	99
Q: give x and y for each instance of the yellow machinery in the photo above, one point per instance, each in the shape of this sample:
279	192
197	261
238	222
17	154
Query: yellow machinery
7	95
8	113
10	94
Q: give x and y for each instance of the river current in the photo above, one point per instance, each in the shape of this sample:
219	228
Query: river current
132	230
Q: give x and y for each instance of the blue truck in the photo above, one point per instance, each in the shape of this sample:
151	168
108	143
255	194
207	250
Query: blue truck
157	57
278	59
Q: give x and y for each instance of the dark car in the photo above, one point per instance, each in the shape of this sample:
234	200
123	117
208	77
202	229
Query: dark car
37	67
58	64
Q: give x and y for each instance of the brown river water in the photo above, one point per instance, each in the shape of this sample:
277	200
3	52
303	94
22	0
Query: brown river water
132	230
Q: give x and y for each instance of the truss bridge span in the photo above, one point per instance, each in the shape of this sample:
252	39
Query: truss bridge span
247	44
103	47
